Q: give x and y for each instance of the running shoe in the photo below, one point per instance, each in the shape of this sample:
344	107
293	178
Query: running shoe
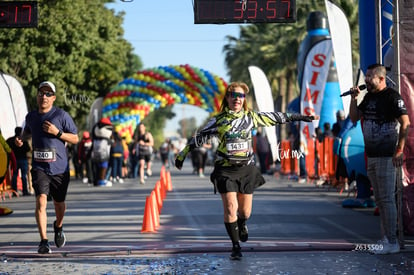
44	247
243	231
385	247
60	238
236	253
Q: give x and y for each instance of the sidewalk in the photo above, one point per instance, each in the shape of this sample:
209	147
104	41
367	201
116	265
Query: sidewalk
294	229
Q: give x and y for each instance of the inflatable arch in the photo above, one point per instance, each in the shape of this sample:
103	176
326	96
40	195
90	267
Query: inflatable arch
131	100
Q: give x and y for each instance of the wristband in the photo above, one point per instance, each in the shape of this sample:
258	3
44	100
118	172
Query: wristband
399	151
59	134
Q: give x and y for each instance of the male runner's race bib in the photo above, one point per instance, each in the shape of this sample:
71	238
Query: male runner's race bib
44	155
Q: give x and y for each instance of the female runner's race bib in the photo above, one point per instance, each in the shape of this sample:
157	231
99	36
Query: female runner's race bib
237	147
237	151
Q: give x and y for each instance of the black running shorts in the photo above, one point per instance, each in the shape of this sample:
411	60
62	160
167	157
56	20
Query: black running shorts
240	179
146	157
55	185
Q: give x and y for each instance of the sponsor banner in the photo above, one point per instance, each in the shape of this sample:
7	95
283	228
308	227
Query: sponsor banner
315	74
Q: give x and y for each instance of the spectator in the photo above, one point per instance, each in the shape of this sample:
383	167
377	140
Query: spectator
20	153
300	146
10	162
29	167
125	163
133	158
339	124
262	150
84	157
117	157
101	147
74	148
327	132
319	134
172	153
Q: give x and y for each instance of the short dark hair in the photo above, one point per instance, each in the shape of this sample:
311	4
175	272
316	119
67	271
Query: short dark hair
378	69
18	131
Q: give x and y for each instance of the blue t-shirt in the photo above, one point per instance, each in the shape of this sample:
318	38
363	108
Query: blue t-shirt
49	152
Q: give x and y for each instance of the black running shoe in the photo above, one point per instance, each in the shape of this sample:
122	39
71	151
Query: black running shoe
60	238
236	253
44	247
243	232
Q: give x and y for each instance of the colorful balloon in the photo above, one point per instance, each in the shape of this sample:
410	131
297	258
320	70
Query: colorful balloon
131	100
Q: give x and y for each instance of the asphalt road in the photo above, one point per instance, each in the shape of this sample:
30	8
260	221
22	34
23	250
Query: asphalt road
294	229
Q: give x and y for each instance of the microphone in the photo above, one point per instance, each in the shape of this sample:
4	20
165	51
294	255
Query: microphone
361	87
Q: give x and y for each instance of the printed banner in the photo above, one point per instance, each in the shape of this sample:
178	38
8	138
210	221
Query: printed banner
342	49
315	74
264	99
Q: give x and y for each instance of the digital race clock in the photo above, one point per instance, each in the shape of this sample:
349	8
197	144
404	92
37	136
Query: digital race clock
18	14
244	11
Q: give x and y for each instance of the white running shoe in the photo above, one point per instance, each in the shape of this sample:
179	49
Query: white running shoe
385	247
301	180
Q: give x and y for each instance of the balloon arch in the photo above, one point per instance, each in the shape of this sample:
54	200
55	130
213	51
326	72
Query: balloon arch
131	100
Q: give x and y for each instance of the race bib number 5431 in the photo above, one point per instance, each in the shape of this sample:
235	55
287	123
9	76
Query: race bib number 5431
44	155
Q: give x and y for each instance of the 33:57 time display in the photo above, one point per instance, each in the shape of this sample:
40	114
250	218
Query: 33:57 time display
244	11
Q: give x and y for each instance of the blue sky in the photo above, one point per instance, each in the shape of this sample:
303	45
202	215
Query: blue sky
163	33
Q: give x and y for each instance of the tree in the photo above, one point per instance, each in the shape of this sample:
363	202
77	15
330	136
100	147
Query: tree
78	45
188	127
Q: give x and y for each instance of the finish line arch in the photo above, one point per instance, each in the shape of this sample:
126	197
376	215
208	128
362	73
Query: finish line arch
131	100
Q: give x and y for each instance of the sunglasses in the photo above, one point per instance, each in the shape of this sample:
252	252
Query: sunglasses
236	95
47	94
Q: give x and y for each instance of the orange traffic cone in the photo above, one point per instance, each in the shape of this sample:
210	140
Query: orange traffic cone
163	190
148	222
19	182
158	196
163	177
154	210
169	184
162	173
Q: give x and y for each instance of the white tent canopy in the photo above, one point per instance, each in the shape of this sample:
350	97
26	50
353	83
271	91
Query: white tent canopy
13	106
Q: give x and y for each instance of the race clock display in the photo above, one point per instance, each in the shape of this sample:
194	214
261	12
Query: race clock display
18	14
244	11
